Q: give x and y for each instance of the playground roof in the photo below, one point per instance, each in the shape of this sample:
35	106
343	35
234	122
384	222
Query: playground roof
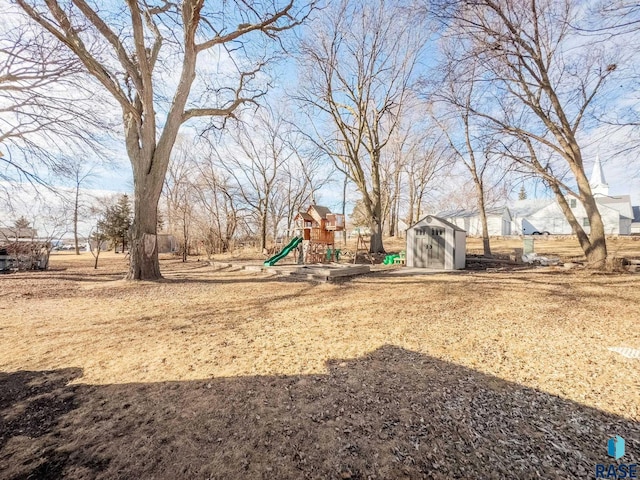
322	211
305	216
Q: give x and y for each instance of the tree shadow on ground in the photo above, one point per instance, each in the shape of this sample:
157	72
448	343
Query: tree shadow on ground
391	414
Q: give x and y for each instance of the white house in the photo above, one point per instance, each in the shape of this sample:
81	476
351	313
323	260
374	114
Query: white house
522	210
545	216
635	223
498	221
402	228
550	219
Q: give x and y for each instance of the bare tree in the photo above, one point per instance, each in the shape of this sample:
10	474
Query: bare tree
79	171
618	25
180	195
466	138
97	237
218	203
358	63
393	167
545	79
126	50
426	158
253	159
45	108
415	157
301	177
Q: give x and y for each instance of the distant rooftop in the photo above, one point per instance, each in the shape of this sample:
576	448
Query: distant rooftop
462	213
9	233
523	208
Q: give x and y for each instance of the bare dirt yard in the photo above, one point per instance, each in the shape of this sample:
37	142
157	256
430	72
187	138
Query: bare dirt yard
218	373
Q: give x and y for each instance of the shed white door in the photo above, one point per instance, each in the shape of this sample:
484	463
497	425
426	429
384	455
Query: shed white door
430	247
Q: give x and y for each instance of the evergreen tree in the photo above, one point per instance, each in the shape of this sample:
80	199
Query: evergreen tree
116	222
21	223
523	194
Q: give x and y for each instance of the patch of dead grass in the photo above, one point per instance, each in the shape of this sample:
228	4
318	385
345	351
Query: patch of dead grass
230	374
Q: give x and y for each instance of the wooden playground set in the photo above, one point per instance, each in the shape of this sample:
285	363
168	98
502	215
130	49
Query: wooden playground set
314	239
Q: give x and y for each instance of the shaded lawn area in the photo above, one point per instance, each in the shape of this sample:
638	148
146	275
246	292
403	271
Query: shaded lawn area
219	374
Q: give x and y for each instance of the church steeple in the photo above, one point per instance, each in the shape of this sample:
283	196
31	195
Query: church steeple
598	183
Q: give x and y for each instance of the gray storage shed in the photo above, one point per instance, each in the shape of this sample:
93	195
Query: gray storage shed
435	243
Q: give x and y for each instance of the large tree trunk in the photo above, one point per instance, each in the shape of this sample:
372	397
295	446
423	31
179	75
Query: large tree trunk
395	201
596	252
375	225
75	220
412	202
374	205
486	244
418	216
376	245
263	231
594	244
185	236
482	210
392	220
344	209
143	250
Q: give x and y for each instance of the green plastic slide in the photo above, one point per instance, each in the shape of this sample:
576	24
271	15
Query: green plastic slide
295	241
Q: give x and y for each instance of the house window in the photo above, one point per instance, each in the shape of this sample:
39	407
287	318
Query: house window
585	222
572	203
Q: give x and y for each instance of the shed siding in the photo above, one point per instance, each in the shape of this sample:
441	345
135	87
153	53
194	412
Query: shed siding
455	244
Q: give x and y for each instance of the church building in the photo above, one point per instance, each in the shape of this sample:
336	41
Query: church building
544	216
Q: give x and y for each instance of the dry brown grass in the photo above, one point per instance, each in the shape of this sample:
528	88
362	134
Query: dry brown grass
230	374
565	247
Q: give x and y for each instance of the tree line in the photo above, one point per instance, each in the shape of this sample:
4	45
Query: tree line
391	97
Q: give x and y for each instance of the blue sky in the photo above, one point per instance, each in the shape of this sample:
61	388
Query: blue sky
622	170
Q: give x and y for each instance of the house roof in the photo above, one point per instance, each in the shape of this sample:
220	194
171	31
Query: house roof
461	213
617	199
621	203
524	208
12	233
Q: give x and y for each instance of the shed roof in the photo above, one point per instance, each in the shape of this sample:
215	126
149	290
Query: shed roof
441	220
